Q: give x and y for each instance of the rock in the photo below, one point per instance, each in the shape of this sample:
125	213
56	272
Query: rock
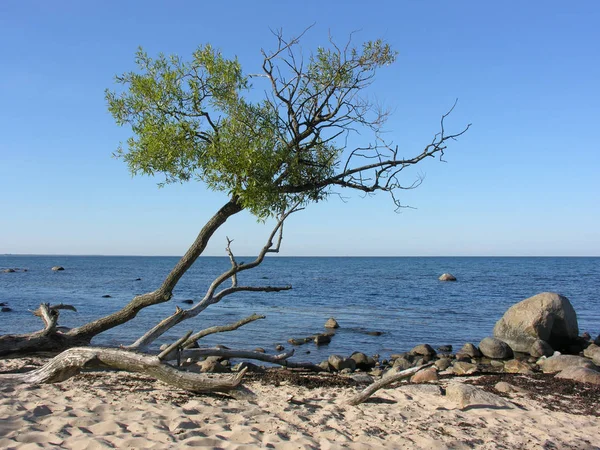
581	374
496	363
546	316
251	367
331	323
57	268
425	376
423	349
470	350
586	336
346	371
259	350
279	348
374	333
8	271
495	348
41	410
106	296
340	363
3	304
558	363
363	362
402	364
138	279
507	388
362	378
466	395
447	277
464	368
325	366
443	363
321	339
516	366
462	357
395	356
296	341
212	364
540	348
6	309
445	349
597	340
187	302
593	352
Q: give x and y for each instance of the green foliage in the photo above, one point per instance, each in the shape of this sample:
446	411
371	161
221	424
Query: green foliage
190	120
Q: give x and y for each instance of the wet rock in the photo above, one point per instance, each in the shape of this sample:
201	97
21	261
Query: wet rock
495	348
425	376
558	363
279	348
374	333
187	302
58	268
8	271
339	363
516	366
447	277
465	395
464	368
581	374
445	349
586	336
470	350
325	366
107	296
331	323
322	339
423	349
540	348
547	316
597	340
363	362
5	309
296	341
259	350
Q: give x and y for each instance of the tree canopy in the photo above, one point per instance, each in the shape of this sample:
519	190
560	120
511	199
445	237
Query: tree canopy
193	120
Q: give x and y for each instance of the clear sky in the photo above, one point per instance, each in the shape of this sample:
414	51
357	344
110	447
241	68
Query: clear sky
525	180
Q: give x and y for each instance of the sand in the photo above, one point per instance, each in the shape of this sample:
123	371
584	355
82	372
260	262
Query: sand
119	410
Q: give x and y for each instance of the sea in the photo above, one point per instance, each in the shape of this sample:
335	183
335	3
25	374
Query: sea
399	297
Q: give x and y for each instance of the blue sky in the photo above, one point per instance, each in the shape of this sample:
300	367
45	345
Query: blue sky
523	181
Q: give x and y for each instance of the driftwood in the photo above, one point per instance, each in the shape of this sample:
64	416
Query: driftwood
70	362
281	359
389	378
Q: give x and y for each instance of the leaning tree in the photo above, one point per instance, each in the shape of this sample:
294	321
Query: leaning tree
198	120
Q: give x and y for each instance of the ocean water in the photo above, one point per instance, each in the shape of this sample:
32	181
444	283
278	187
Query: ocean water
400	297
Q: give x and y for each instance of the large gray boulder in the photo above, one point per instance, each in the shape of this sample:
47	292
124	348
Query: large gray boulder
465	396
558	363
495	348
547	316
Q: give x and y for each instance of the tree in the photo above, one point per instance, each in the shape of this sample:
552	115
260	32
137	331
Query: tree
195	121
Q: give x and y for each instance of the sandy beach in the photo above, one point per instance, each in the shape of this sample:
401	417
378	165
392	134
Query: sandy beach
121	410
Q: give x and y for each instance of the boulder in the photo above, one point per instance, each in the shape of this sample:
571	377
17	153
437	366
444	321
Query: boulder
558	363
363	378
507	388
107	296
260	350
296	341
6	309
423	350
447	277
547	316
425	376
581	374
443	363
470	350
340	363
9	271
212	364
540	348
248	365
279	348
331	323
402	364
187	302
593	352
466	395
445	349
363	362
57	268
495	348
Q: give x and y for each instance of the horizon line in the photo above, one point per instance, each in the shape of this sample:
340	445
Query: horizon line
303	256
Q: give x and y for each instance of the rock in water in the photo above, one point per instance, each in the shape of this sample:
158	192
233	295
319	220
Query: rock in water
447	277
547	316
57	268
495	348
339	363
331	323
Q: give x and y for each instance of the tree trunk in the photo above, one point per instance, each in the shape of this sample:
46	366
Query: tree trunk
53	340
